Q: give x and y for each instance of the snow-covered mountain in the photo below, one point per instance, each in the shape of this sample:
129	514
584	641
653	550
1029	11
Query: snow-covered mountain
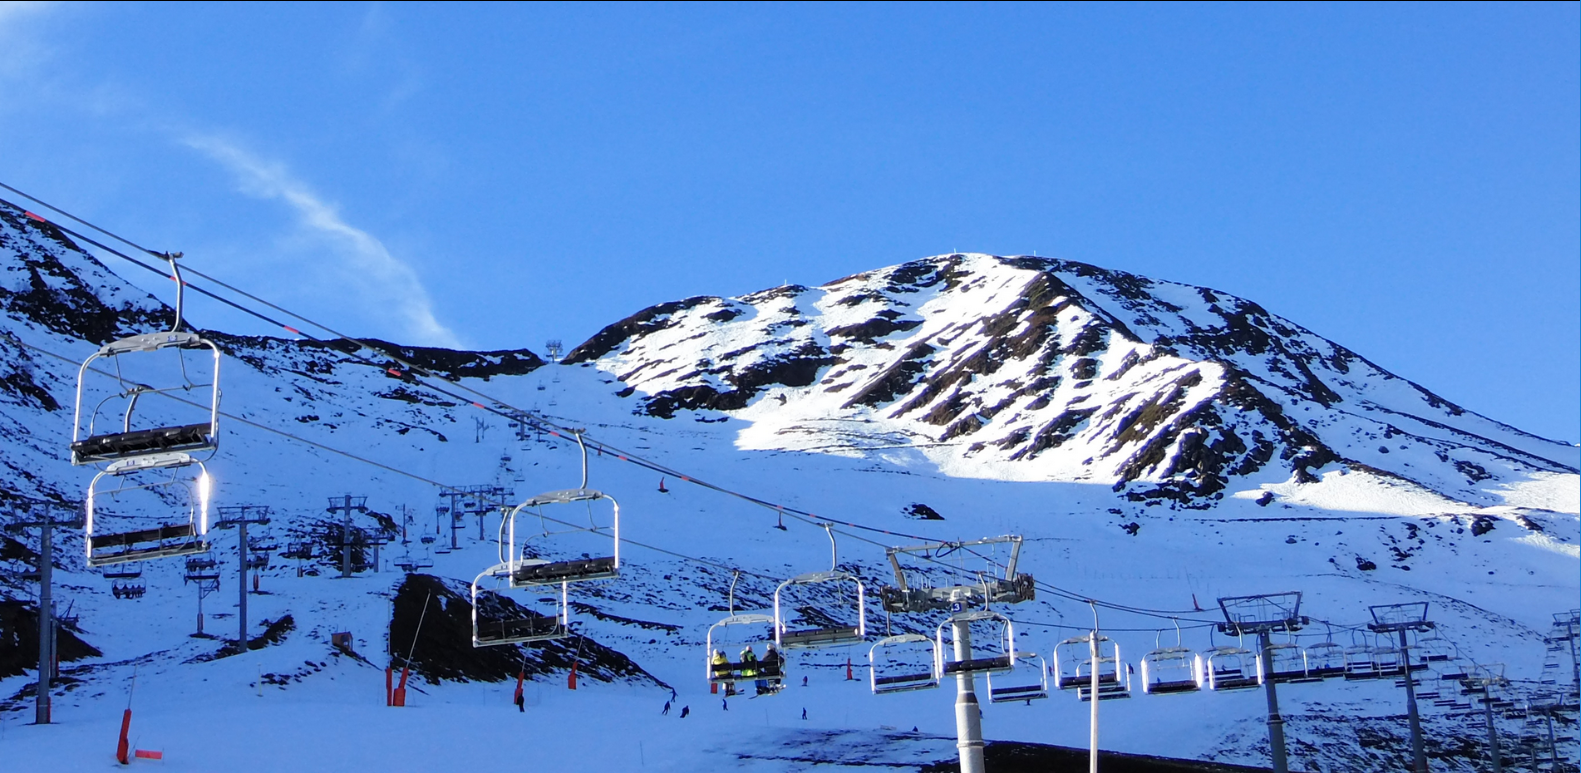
1038	369
1158	445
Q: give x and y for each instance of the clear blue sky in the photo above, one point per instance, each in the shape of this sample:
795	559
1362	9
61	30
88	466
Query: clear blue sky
1403	179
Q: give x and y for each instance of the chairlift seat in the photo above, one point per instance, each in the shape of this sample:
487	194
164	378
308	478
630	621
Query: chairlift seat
918	681
820	637
144	545
1029	692
1104	693
523	629
110	447
556	572
998	664
1172	687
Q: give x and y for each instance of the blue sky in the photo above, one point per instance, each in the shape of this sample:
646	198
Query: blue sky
1403	179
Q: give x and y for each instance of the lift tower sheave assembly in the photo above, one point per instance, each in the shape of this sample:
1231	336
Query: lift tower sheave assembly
1261	615
959	600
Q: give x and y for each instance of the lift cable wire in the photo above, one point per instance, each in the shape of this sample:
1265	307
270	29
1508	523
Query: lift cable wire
507	411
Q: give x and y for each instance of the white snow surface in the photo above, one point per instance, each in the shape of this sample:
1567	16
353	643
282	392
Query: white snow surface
1395	492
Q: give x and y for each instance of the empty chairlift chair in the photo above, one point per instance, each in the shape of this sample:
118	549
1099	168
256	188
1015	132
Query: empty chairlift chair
993	643
903	663
139	443
498	618
1074	665
528	571
170	504
1232	668
1169	670
820	623
1287	663
1027	681
1359	663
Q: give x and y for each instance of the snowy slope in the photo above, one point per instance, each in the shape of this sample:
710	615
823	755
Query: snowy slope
1129	429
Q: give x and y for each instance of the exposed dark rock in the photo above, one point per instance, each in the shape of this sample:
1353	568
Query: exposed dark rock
19	640
922	512
649	320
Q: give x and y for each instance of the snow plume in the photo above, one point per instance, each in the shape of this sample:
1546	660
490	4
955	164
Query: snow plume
368	264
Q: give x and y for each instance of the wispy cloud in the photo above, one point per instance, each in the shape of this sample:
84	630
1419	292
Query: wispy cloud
378	275
20	50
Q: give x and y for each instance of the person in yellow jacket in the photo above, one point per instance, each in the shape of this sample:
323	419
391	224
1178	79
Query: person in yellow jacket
749	662
721	670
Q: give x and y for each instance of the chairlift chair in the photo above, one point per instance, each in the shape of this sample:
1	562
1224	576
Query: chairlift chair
1073	664
1232	668
1325	660
1432	647
744	630
529	571
823	629
125	590
1359	663
156	443
1171	670
731	670
105	548
1001	662
1287	664
1009	690
903	663
1388	661
123	573
1168	670
1113	687
503	625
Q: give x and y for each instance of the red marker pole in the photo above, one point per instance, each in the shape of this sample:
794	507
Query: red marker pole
124	745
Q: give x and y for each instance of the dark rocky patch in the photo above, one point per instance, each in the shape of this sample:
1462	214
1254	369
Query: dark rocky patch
56	298
649	320
897	380
19	640
921	512
1482	525
797	369
873	329
453	365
